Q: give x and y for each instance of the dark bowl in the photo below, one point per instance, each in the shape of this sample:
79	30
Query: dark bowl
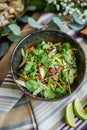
55	37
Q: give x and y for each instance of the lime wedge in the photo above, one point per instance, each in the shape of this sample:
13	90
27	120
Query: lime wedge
69	115
78	109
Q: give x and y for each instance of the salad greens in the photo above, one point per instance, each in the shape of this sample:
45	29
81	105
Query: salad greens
48	70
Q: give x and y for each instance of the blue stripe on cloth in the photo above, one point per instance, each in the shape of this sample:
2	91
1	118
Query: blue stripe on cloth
22	103
18	125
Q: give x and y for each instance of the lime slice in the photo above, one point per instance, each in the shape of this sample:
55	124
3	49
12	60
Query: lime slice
79	111
69	115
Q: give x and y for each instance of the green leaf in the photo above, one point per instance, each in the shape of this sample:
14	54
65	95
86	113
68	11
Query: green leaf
67	56
31	85
50	8
6	30
60	91
49	94
76	26
28	67
25	19
18	17
22	52
14	38
40	4
36	52
58	22
38	90
33	23
24	55
31	8
66	46
77	19
15	29
52	25
44	58
71	75
46	46
22	83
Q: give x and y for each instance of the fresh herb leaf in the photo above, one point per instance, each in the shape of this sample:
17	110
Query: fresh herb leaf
31	85
60	92
22	83
38	90
44	58
66	46
49	94
71	75
28	67
67	56
22	52
46	46
24	55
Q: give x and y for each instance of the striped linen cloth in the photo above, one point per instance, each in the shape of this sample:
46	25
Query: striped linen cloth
19	112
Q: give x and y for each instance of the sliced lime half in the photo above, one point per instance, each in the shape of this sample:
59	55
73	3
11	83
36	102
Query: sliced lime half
79	111
69	115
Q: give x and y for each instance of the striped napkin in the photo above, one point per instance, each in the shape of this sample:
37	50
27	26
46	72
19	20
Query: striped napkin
19	112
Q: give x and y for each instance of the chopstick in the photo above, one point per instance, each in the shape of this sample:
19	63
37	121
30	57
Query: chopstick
35	125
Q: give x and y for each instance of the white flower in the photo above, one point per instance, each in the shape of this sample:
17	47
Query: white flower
50	1
85	12
55	2
58	7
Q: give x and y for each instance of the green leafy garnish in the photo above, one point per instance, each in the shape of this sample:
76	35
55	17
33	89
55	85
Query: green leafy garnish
48	70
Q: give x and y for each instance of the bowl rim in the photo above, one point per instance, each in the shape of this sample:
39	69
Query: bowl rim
29	94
